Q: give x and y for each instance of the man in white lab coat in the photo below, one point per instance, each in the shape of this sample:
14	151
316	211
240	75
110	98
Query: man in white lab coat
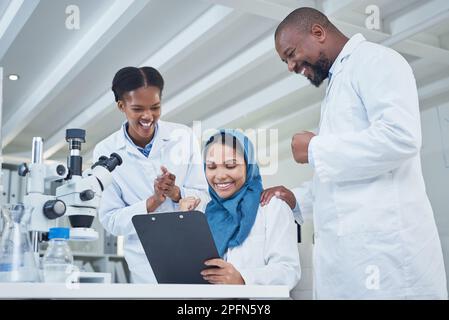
161	164
374	232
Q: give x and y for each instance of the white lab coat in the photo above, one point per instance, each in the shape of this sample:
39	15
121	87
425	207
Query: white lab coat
176	148
269	255
374	230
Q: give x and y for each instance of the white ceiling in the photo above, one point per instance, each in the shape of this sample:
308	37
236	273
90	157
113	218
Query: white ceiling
217	58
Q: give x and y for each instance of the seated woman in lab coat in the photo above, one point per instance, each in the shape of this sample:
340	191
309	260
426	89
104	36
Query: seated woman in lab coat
161	163
257	244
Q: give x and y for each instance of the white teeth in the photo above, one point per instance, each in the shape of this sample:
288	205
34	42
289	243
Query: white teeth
303	71
145	124
223	185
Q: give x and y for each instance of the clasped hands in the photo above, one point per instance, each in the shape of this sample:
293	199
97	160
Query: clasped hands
164	187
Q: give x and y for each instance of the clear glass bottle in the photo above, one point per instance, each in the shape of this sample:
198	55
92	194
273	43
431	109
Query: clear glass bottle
58	259
17	260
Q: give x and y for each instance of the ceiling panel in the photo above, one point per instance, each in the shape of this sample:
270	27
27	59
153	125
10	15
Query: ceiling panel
44	41
41	44
134	44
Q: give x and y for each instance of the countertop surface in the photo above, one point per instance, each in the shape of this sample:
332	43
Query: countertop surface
138	291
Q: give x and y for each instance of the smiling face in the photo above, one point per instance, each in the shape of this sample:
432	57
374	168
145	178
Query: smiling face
142	108
225	169
303	52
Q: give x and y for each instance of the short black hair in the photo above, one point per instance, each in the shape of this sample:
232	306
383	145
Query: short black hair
131	78
303	19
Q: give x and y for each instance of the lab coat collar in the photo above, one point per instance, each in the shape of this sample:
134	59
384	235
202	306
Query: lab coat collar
162	137
347	50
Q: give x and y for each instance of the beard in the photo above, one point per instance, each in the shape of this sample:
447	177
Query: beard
320	70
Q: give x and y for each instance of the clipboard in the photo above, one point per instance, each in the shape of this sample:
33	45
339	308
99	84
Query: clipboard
176	245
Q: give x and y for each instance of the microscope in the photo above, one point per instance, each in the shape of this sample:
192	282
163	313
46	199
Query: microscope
79	195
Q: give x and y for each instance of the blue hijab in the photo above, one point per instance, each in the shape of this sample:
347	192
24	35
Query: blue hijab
231	219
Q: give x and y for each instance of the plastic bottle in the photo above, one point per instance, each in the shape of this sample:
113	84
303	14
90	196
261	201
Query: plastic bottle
58	259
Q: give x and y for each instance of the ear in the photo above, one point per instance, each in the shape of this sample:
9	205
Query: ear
319	33
121	106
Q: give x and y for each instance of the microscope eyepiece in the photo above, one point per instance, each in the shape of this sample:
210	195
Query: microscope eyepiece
109	163
115	160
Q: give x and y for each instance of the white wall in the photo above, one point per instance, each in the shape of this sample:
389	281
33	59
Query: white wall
435	163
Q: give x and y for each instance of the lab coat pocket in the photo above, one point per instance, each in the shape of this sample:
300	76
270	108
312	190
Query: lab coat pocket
339	118
339	111
372	265
368	205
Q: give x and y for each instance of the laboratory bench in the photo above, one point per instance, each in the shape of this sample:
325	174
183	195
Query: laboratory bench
139	291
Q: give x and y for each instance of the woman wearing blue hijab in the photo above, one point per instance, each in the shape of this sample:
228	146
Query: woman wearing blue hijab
257	244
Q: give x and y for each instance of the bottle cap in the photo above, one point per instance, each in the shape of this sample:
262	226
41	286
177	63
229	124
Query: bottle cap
59	233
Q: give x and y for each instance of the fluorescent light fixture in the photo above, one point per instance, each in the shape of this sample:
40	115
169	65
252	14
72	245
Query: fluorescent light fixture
13	77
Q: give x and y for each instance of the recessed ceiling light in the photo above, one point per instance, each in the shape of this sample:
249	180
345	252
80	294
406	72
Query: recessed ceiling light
13	77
